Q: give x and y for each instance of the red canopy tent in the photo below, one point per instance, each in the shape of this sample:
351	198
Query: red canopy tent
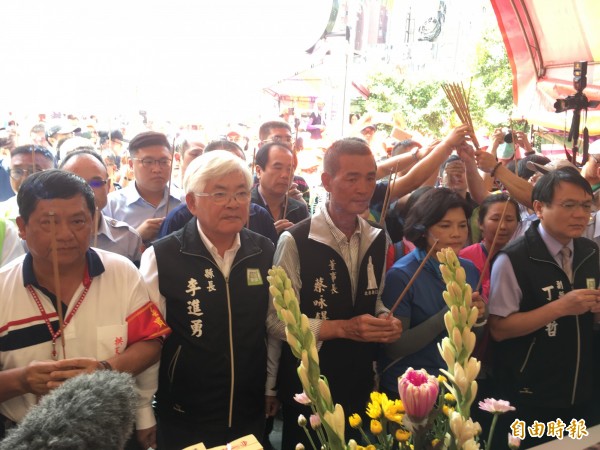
543	39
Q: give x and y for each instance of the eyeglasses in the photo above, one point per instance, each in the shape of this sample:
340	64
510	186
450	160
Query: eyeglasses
594	158
147	163
96	183
287	139
222	198
18	173
570	206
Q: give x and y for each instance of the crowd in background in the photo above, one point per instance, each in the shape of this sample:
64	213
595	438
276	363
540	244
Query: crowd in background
314	204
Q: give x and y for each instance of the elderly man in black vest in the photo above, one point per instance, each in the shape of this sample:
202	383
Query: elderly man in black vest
336	262
210	276
543	304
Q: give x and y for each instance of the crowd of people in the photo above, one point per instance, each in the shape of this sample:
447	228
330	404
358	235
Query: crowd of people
150	256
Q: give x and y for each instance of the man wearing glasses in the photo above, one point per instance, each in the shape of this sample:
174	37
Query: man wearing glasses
543	305
144	204
112	235
211	276
24	160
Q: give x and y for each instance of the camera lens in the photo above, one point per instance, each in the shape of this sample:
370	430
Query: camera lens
508	138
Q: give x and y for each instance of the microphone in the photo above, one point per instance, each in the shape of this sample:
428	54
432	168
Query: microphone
90	411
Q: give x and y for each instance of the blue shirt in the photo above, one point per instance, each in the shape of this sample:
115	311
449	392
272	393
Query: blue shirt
118	237
128	206
422	301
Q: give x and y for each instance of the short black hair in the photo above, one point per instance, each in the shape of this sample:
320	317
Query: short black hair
500	197
346	146
522	170
431	207
402	146
265	128
224	144
262	155
544	188
28	149
148	139
50	184
83	151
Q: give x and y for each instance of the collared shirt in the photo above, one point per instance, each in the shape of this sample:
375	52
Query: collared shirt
115	313
119	237
128	206
348	248
226	261
505	292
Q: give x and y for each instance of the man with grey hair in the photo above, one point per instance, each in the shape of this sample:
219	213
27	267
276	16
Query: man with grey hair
211	276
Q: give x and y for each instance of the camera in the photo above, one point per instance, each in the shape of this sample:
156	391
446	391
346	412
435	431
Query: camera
578	101
508	137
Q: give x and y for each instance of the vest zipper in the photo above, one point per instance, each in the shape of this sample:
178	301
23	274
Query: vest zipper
230	354
527	356
578	360
571	283
173	364
578	336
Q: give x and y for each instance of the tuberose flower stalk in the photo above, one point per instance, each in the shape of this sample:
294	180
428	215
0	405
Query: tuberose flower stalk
303	345
456	349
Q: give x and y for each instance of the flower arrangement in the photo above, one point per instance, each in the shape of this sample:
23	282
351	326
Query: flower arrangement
432	413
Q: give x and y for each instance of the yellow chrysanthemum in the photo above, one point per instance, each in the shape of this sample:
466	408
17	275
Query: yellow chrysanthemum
447	410
355	421
402	435
391	413
435	442
449	397
374	410
442	379
376	427
376	397
370	447
399	406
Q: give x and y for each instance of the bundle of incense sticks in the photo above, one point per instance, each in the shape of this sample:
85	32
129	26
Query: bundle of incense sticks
459	101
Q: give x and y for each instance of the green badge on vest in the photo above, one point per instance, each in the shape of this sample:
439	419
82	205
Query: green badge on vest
254	277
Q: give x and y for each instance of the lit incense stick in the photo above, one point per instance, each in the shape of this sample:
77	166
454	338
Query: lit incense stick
412	280
170	181
491	250
388	193
96	218
59	308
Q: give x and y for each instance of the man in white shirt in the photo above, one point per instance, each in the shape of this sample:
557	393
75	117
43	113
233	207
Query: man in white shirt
144	203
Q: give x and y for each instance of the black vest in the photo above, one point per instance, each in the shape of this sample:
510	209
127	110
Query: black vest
219	332
326	293
551	367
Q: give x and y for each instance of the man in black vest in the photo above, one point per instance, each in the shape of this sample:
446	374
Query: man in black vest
336	262
543	304
211	278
